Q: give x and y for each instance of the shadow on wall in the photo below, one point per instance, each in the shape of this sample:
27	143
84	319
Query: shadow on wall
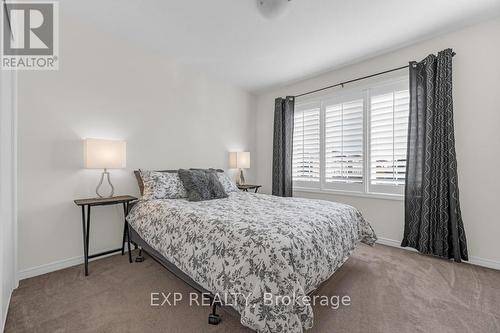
67	154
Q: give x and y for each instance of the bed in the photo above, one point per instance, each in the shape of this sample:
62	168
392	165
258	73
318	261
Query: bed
250	246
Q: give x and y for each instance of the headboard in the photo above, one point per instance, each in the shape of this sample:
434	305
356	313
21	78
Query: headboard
137	174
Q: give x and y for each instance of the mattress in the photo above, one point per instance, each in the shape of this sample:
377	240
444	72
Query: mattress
251	248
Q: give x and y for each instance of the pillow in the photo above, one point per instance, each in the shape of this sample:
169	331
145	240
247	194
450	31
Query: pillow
202	185
227	183
162	185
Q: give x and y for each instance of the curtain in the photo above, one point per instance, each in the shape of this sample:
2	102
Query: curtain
433	221
282	146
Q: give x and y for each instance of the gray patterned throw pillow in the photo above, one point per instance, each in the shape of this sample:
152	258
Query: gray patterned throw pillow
202	185
162	185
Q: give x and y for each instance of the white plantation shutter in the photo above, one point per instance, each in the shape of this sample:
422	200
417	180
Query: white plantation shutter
353	140
344	142
306	145
388	137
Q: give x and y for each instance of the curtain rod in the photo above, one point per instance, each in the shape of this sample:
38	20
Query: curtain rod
341	84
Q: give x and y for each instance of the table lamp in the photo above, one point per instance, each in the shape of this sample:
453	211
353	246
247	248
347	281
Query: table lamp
240	160
104	154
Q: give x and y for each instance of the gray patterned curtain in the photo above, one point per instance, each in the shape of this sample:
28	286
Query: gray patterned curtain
433	222
282	146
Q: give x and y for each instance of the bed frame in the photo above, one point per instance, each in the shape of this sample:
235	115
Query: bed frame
136	239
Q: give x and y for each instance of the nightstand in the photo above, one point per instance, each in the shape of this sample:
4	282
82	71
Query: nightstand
245	188
125	200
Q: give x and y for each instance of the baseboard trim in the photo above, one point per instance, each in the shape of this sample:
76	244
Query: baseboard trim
393	243
488	263
484	262
56	265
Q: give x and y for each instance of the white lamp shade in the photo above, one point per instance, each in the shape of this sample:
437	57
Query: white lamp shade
104	154
239	160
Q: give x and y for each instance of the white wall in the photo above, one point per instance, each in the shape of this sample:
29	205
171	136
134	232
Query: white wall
174	117
171	117
477	131
8	269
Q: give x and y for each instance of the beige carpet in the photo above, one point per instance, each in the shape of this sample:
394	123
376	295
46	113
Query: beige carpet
391	290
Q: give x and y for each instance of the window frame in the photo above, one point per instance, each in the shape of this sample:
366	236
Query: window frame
365	189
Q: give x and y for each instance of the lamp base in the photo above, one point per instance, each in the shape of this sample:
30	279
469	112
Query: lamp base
241	178
105	173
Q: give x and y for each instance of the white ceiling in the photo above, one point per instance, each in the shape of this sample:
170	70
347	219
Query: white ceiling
229	39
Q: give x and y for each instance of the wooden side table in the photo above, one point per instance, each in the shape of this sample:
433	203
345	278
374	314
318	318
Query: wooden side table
125	200
245	188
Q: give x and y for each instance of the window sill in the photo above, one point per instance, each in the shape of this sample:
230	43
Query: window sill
384	196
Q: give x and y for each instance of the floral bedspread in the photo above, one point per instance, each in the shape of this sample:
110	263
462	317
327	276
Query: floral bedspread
250	246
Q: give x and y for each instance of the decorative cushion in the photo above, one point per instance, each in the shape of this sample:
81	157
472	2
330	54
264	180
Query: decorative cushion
202	184
227	183
162	185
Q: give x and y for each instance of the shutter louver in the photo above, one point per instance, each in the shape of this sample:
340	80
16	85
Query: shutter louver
389	131
306	145
344	142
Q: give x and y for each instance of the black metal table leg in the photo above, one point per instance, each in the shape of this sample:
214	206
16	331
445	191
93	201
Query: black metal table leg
84	240
87	242
126	231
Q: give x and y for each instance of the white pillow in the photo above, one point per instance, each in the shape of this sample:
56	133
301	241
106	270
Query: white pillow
162	185
227	183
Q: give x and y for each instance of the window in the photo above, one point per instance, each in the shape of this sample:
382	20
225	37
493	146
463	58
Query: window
353	140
